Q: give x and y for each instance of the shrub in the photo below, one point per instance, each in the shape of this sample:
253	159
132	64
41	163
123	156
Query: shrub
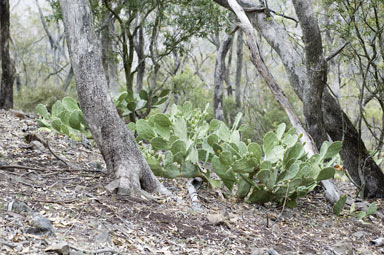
29	97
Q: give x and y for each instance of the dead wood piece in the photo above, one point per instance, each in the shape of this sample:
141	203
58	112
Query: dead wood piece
103	250
61	248
68	201
192	187
377	242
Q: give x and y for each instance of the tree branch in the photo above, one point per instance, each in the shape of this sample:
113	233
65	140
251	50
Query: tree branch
336	52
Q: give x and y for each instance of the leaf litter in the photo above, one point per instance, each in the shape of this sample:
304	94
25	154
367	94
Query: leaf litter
88	220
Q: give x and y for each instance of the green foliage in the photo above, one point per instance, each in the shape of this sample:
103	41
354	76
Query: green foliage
65	117
188	87
29	97
183	144
339	206
139	103
372	209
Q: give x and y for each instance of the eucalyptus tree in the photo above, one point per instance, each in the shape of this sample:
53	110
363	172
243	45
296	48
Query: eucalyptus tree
308	79
7	68
132	175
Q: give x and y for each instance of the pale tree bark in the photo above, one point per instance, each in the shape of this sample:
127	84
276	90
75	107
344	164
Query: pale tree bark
336	122
7	67
331	192
139	48
239	69
132	175
219	78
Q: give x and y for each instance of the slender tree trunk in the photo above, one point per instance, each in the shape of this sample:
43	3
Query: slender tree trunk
227	78
337	124
7	75
117	145
139	48
239	69
108	59
68	79
219	78
316	68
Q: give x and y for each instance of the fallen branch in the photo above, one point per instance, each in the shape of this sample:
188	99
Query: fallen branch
35	137
9	167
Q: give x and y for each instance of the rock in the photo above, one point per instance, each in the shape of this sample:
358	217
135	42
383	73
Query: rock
20	207
359	234
216	219
264	251
95	166
103	236
342	248
40	226
61	248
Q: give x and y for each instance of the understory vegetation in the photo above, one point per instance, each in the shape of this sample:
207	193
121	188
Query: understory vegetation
184	142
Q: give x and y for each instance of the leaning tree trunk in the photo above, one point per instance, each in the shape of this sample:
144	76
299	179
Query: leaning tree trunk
7	76
117	145
219	78
336	122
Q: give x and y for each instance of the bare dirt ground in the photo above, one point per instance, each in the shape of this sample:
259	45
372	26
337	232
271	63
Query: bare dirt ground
88	220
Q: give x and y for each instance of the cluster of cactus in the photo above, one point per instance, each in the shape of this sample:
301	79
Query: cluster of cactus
65	117
175	141
183	144
128	102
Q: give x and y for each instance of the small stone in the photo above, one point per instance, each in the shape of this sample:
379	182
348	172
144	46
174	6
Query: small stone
264	251
19	207
342	248
40	226
359	234
95	166
216	219
61	248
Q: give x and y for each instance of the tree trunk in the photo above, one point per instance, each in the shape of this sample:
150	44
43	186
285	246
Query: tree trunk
219	78
108	59
337	124
316	69
7	75
139	48
227	78
68	79
239	69
117	145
